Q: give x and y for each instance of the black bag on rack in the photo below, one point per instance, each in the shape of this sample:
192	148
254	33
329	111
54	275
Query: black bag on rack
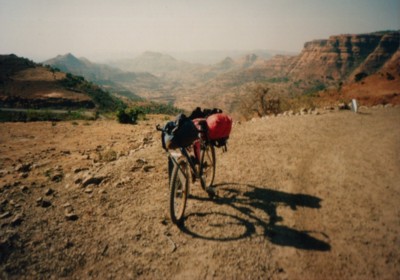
179	133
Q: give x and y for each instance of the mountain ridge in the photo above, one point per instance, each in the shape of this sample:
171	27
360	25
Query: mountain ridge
28	85
129	84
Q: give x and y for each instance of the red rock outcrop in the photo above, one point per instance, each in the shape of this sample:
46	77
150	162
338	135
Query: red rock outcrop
343	56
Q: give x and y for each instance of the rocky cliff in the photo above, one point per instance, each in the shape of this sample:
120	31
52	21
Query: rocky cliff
343	56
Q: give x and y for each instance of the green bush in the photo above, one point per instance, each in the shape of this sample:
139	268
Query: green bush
360	76
157	108
129	116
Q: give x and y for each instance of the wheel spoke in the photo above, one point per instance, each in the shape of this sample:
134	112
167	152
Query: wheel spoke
179	187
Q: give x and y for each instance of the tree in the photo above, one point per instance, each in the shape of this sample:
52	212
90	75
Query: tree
259	101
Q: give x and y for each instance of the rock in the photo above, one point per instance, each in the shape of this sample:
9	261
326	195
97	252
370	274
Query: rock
5	187
66	205
139	164
343	106
119	185
123	182
58	177
69	243
89	189
78	181
147	140
70	216
49	191
24	189
303	111
3	173
121	154
5	215
96	180
141	161
59	168
23	175
148	168
43	202
3	202
26	167
80	169
136	168
17	220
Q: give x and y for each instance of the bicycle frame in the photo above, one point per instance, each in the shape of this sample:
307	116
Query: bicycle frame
173	156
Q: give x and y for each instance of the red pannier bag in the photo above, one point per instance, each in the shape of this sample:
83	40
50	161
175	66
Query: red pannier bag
219	126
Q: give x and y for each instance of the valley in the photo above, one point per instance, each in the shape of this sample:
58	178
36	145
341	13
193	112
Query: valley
342	67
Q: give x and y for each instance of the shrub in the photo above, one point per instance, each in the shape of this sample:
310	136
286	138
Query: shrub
360	76
389	76
129	116
259	101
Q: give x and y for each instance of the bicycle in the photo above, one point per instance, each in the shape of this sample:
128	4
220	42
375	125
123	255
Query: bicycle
187	164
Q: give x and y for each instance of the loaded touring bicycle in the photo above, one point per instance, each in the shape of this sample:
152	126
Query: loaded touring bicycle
190	144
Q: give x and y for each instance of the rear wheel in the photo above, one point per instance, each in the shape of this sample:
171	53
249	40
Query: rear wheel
208	170
179	190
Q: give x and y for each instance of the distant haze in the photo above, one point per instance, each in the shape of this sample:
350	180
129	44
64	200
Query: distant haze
101	29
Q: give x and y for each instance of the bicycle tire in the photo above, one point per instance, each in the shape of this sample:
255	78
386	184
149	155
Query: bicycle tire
208	167
179	188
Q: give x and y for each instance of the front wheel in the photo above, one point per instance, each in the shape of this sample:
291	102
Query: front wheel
179	190
208	166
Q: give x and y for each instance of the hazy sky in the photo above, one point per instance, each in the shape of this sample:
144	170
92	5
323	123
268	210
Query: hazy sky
41	29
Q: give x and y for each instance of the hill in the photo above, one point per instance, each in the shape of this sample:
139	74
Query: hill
331	68
25	84
153	62
129	84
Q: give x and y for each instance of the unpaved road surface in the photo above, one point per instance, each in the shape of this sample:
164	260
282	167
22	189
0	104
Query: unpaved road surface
303	197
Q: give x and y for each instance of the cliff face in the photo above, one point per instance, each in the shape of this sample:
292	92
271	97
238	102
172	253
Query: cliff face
341	57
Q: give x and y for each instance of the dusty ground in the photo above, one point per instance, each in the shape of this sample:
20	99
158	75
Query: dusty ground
304	197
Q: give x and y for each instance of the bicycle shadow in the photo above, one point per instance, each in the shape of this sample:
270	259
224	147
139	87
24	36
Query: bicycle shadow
257	206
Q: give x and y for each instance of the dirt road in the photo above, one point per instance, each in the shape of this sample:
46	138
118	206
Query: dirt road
302	197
